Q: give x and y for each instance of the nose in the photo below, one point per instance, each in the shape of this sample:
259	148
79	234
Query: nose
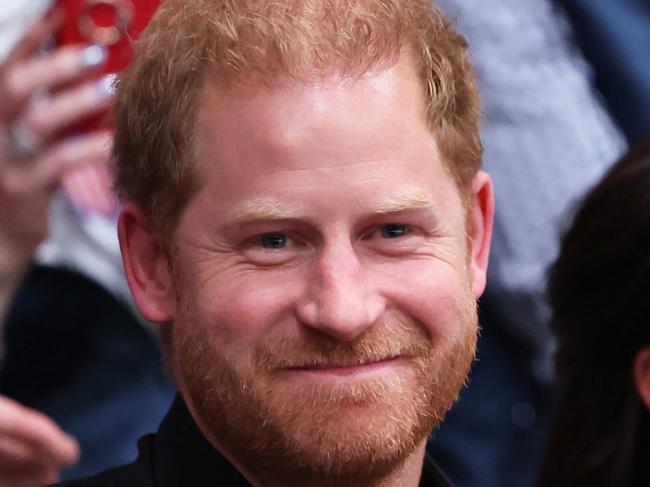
338	299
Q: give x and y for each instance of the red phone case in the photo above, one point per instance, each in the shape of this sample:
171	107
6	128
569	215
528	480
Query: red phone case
115	24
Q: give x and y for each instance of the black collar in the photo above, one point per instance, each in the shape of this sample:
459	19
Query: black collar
180	455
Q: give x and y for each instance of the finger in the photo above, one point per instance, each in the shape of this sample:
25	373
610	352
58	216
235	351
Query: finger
44	119
94	148
39	32
31	476
38	432
14	452
35	180
18	455
90	187
40	74
30	469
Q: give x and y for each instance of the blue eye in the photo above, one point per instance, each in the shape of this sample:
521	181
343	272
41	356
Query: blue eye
274	240
393	230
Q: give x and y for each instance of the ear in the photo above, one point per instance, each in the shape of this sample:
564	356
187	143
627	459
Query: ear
146	266
641	371
481	216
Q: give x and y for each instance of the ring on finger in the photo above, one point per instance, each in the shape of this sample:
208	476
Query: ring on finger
23	143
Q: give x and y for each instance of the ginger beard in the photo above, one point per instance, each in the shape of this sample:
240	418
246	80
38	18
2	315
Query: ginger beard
346	429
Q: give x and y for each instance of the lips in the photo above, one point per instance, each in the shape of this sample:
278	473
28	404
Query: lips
378	347
344	365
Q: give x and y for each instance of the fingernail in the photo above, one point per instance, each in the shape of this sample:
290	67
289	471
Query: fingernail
93	56
106	85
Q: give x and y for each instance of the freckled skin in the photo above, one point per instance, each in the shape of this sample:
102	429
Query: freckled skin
340	279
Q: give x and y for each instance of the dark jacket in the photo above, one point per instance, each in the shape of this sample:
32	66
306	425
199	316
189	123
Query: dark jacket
179	456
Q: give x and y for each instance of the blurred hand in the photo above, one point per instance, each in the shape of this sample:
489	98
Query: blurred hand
90	188
32	448
39	97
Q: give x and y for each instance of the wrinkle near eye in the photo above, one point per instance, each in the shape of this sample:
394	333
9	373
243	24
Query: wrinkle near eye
203	257
446	250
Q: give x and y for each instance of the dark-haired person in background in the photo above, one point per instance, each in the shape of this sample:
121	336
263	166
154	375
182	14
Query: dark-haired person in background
599	289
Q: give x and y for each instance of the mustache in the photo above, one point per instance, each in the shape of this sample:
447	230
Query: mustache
312	349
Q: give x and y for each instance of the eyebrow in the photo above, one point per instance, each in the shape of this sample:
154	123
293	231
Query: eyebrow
265	209
268	209
405	200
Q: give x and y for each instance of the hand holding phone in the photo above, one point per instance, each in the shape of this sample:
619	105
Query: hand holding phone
34	156
111	24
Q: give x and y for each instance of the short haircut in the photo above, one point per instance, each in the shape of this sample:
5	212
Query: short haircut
234	41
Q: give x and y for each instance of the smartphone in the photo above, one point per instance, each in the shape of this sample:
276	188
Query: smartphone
114	24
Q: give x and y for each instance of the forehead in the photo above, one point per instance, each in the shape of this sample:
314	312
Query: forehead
293	112
350	134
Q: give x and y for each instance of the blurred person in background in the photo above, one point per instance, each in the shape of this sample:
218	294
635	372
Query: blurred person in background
615	39
74	347
548	138
599	290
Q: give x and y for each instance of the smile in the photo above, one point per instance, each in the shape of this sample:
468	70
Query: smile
375	367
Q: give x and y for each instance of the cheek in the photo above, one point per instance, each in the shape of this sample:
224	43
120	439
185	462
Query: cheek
246	307
432	293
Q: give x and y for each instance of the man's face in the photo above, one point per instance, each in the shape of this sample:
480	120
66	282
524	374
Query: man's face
325	314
